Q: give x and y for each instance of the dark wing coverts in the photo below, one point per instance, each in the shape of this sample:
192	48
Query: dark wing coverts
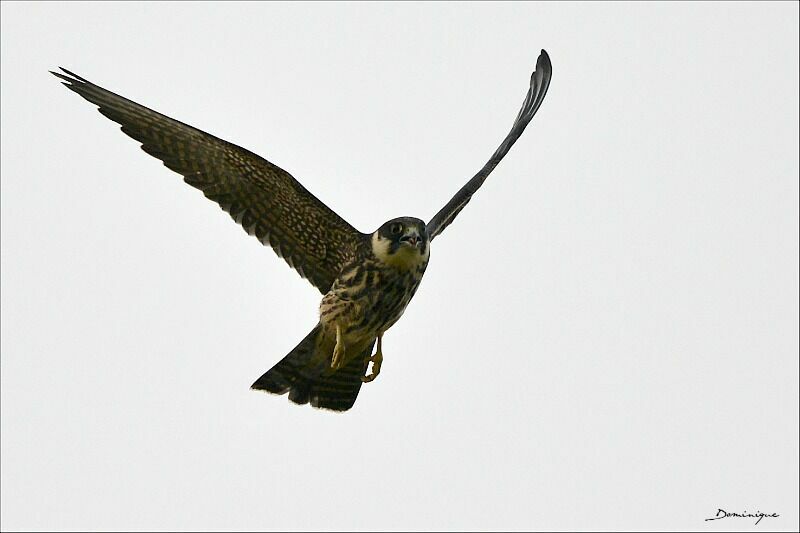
540	80
266	200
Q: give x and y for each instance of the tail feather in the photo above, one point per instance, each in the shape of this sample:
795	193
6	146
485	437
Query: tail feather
339	390
306	375
290	373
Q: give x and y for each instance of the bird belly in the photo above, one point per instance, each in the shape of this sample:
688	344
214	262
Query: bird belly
366	301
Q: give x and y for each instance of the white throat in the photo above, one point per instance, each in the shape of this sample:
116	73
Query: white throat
404	258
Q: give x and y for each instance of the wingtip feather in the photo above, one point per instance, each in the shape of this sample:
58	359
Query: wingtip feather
543	64
69	73
61	76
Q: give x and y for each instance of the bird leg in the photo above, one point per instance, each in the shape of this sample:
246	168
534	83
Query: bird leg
337	361
376	359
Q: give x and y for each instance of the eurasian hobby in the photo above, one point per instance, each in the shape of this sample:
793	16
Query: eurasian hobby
367	279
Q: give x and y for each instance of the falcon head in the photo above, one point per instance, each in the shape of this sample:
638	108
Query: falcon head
401	242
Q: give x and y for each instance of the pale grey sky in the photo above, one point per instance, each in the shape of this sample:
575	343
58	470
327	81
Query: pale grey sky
605	338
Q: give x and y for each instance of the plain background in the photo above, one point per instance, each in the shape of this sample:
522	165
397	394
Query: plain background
606	338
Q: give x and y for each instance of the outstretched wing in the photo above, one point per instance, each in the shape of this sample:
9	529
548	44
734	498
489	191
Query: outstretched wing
540	80
266	200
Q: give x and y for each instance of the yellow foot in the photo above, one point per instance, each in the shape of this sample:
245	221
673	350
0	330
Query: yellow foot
337	361
377	360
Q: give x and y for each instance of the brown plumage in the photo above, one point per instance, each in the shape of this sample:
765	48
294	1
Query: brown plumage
367	279
264	199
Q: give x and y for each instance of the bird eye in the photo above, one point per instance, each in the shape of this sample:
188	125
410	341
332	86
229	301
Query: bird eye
396	229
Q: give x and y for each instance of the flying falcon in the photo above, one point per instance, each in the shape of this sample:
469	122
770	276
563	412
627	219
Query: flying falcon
366	280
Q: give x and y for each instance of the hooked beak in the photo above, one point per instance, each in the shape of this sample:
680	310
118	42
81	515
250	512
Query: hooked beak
414	240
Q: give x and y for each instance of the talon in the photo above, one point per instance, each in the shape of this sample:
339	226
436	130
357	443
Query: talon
377	360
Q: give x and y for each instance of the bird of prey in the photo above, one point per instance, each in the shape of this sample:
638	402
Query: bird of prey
367	279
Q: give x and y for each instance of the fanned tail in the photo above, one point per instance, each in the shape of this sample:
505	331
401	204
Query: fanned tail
306	375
